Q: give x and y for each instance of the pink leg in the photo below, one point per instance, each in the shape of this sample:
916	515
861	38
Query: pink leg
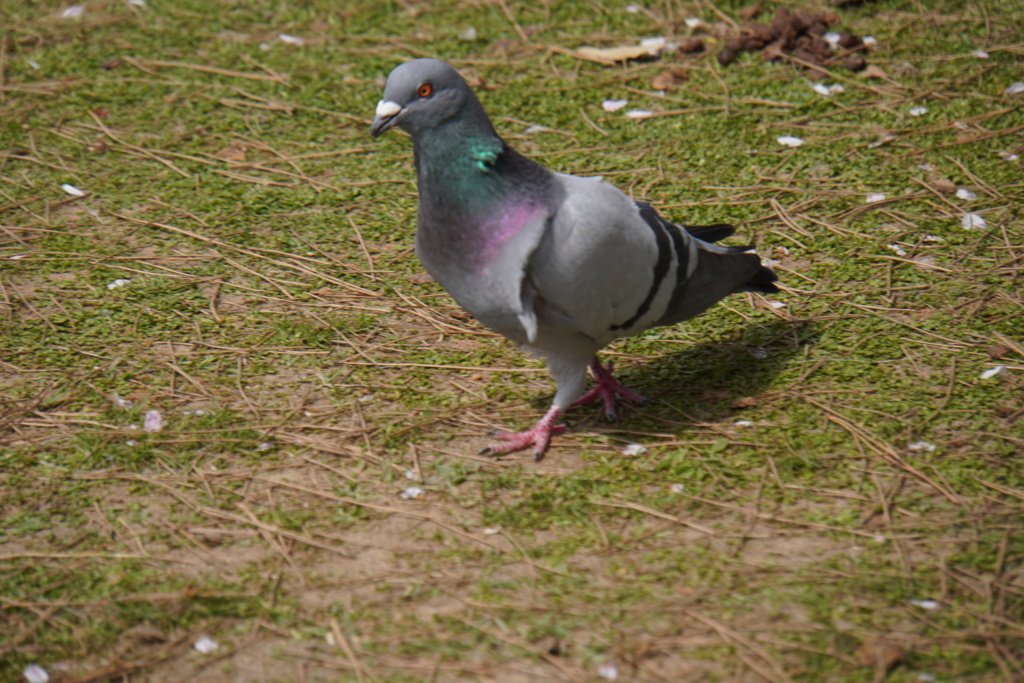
539	437
607	388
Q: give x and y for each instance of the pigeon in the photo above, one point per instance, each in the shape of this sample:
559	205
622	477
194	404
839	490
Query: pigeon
562	265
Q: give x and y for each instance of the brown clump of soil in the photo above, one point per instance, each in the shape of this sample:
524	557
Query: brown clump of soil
800	34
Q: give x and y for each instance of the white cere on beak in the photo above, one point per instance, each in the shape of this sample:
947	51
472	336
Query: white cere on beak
386	108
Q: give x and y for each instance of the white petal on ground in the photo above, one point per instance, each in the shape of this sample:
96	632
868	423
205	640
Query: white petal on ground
119	282
997	371
639	114
964	193
921	447
972	221
874	198
289	39
613	105
676	488
821	89
73	12
870	41
36	674
412	492
206	645
918	111
154	421
608	672
790	141
926	604
897	249
468	34
72	190
1015	88
634	449
980	54
1009	156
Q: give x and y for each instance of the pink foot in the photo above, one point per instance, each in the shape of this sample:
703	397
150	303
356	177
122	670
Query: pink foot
538	437
607	388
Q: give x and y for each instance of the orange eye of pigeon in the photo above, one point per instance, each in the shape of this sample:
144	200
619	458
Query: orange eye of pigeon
425	90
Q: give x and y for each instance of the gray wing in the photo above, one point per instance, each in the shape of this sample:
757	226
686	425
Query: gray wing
713	272
613	267
599	264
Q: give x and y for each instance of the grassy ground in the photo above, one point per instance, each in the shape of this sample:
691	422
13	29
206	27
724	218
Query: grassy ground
814	472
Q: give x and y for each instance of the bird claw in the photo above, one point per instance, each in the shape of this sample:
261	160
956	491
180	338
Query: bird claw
538	437
607	388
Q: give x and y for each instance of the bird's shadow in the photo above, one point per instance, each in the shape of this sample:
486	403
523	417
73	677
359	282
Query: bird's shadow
706	382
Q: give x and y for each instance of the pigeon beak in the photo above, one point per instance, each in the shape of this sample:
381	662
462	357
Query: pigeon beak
385	116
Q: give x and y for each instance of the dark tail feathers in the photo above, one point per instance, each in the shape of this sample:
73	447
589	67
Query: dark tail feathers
763	280
710	233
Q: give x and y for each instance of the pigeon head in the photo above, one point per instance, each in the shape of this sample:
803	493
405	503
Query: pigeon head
423	94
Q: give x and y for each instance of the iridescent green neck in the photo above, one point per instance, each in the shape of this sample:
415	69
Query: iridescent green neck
456	165
484	154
